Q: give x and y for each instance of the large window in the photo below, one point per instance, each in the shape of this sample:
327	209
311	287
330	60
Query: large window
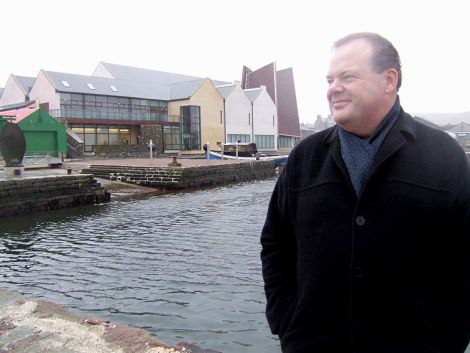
232	138
110	107
102	135
288	141
172	138
191	127
264	141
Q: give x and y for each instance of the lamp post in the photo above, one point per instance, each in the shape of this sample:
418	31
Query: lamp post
151	144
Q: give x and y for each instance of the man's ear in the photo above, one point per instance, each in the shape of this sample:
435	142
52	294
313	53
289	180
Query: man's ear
391	80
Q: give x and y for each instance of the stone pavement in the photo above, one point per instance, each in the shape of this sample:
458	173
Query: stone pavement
38	326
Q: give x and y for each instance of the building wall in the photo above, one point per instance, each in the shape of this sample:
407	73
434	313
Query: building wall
43	134
238	113
44	92
264	76
212	113
12	93
265	116
287	104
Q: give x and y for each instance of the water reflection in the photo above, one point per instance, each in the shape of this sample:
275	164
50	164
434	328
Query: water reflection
184	266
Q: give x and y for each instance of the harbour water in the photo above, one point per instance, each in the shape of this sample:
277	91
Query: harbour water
184	266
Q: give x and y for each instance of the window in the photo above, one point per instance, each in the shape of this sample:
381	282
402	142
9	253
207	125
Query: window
65	83
190	126
90	86
264	141
232	138
172	138
113	88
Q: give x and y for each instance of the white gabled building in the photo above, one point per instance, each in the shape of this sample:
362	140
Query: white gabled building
238	114
264	123
16	93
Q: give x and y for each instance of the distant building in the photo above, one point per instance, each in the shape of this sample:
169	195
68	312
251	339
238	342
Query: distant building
322	123
462	135
280	86
16	93
121	108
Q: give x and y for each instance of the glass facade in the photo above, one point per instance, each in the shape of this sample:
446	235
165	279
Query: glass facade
75	105
287	141
232	138
264	141
191	127
172	138
102	135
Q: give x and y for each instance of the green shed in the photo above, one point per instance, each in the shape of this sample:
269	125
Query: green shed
44	135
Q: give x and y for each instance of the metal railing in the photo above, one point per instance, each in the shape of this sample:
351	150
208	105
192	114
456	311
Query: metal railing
110	115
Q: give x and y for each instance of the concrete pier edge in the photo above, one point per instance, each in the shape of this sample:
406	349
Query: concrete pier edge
34	326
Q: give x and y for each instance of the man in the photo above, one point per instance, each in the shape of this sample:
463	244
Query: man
366	245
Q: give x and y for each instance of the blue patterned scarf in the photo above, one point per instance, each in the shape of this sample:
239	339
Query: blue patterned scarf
359	154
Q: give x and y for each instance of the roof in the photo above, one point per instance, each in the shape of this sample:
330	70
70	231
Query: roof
131	73
103	86
25	82
129	82
1	91
462	127
16	105
253	93
183	90
139	74
18	114
225	90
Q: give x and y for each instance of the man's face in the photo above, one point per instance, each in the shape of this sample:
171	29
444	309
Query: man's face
355	91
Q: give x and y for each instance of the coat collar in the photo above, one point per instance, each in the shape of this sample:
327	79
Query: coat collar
404	123
404	129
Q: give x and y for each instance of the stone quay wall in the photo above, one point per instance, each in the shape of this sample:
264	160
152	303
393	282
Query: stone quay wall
185	177
195	177
23	196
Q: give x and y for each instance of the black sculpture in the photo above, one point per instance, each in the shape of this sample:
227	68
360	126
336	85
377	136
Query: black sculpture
12	145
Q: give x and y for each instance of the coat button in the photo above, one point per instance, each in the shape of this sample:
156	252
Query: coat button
360	220
358	271
357	323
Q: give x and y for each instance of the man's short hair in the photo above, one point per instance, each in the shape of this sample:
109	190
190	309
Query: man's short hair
385	56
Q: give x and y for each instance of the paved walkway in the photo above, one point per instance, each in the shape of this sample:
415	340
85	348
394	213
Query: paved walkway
147	162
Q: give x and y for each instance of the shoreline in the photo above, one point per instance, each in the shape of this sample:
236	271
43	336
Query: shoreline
42	326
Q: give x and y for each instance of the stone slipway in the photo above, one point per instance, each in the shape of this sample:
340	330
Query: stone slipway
34	326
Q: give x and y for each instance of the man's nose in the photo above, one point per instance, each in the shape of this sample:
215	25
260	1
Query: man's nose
334	86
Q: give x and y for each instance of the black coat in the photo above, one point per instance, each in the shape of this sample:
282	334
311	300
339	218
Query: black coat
388	272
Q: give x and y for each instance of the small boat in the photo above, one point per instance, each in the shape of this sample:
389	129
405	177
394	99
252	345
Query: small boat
247	151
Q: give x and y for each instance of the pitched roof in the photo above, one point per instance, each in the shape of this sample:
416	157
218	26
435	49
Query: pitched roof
64	82
183	90
16	105
252	93
132	73
225	90
129	82
139	74
25	82
462	128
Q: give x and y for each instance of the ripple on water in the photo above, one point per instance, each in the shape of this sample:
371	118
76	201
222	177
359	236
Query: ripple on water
183	265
